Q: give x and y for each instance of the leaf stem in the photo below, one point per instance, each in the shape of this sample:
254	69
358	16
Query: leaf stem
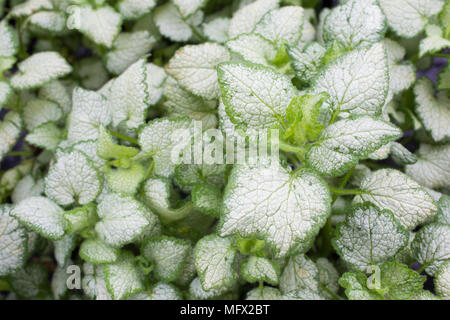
343	183
20	153
345	191
123	137
422	268
440	55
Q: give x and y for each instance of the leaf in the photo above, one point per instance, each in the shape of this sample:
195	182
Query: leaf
122	277
160	291
257	269
193	174
397	282
134	9
168	256
89	111
357	82
180	102
254	95
194	66
6	92
53	22
432	168
107	149
401	155
171	24
402	75
13	242
442	281
328	277
434	41
46	136
93	282
156	78
39	69
408	17
10	129
127	49
369	237
28	7
307	61
37	112
443	215
214	261
392	190
93	75
73	179
128	96
216	30
300	273
88	20
29	281
125	180
158	139
355	23
346	141
58	93
41	215
434	112
286	209
302	116
253	48
245	19
122	220
96	251
207	198
9	44
196	291
80	218
27	187
281	25
431	246
64	248
266	293
189	7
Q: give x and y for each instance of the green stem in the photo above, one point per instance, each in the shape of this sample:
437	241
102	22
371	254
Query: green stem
343	183
124	137
441	55
197	34
345	192
20	153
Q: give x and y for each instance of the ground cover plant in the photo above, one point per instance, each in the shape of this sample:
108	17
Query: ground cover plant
224	149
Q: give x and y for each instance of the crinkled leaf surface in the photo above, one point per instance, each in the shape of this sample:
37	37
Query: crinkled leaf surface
256	269
357	82
355	23
13	242
254	95
39	69
408	17
214	261
268	201
346	141
194	66
369	236
41	215
73	179
122	277
392	190
122	219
